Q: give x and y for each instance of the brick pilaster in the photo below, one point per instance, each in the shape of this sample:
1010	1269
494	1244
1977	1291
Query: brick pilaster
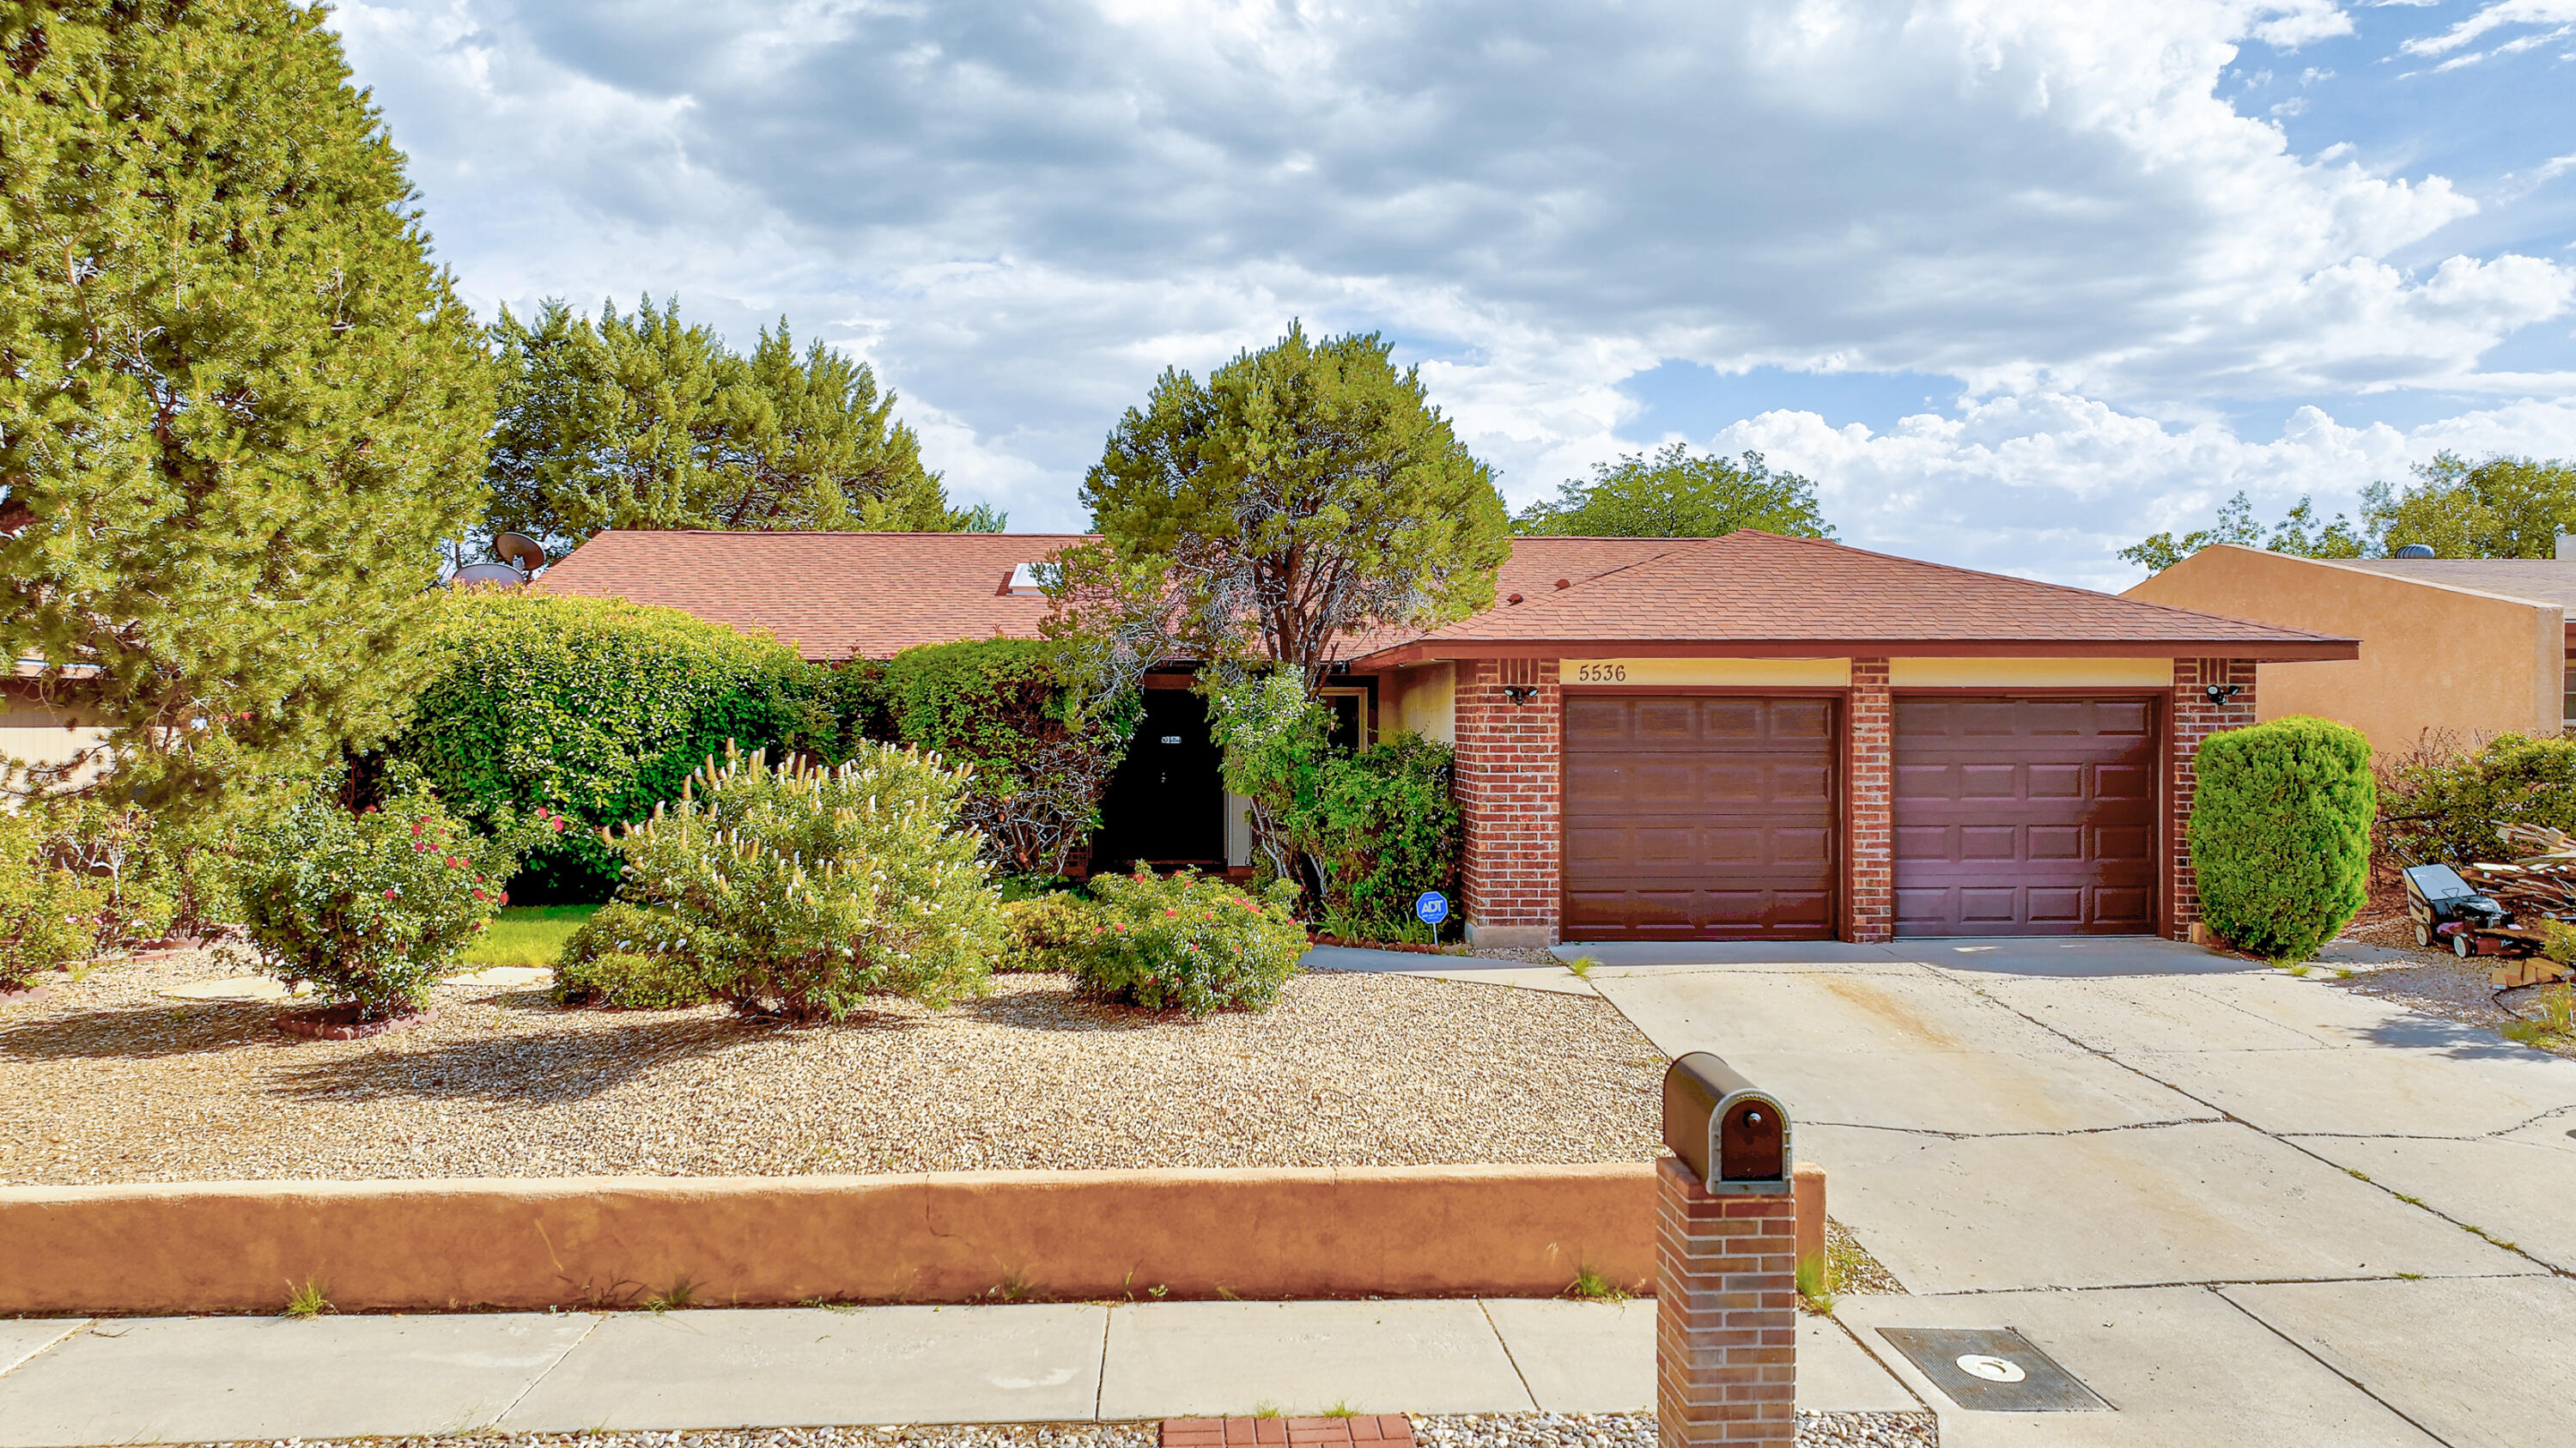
1509	780
1726	1314
1869	848
2195	718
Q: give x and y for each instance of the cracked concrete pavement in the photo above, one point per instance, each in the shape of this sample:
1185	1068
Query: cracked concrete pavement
2243	1207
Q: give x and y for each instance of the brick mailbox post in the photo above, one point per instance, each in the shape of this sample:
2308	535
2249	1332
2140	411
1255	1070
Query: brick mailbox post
1726	1263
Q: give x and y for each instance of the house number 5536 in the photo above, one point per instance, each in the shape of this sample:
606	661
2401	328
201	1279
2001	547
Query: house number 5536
1601	673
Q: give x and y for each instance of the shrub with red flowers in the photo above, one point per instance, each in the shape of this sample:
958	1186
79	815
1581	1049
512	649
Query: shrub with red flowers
370	906
1187	942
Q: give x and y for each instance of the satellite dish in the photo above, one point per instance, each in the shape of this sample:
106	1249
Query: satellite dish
498	574
519	549
2413	550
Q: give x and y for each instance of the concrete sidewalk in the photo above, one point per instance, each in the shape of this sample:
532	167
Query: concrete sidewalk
180	1380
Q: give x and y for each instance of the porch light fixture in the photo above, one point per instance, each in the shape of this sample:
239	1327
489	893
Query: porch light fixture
1520	693
2221	693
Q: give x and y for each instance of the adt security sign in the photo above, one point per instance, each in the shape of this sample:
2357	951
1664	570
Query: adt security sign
1431	906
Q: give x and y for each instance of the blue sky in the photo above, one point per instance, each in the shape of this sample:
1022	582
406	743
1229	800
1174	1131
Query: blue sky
2016	283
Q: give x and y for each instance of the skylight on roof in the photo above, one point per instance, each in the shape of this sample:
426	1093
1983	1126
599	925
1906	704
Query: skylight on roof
1028	578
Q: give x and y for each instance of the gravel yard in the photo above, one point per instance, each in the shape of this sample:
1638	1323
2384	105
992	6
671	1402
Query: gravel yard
106	1080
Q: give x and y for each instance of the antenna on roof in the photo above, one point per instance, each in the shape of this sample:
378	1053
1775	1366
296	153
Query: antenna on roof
519	550
500	575
2413	550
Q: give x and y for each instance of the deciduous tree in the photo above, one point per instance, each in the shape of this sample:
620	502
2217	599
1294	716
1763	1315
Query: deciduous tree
1674	494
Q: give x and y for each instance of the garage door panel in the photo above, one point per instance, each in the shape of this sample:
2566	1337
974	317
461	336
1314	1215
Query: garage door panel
2034	815
1700	817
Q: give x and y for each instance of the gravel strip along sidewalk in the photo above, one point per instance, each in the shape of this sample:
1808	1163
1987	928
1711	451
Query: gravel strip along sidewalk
1490	1430
108	1081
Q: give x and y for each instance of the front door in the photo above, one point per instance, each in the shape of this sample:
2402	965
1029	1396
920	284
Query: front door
1166	803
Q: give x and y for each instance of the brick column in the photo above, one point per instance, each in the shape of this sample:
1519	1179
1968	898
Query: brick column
1869	784
1509	768
2195	719
1726	1314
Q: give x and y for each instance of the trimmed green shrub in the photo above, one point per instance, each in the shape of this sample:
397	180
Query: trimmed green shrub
1276	734
2443	804
370	906
2280	833
1188	942
1044	928
1382	827
599	708
626	957
1023	714
800	890
49	916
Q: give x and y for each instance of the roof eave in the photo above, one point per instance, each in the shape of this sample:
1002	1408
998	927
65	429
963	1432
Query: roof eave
2273	651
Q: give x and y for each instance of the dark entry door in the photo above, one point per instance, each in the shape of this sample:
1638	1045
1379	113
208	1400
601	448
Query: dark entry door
1699	817
1166	803
2025	816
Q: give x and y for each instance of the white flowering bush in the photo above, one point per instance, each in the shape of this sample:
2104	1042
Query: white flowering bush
370	906
798	891
1187	942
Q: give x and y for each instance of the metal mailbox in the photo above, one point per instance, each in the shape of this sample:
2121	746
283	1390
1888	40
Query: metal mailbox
1733	1135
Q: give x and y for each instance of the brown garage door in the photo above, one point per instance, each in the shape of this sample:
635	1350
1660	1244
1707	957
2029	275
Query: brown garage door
2025	816
1700	817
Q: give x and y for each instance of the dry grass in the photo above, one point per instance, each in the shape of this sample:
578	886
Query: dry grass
106	1081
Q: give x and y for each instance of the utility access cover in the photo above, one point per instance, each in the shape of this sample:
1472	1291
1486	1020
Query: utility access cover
1992	1370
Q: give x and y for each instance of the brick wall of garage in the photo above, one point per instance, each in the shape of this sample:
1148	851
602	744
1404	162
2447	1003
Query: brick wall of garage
2194	718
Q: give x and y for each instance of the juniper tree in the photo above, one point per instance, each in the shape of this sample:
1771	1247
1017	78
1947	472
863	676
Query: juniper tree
239	407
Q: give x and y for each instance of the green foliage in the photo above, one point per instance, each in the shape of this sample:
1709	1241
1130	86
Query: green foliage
48	914
371	906
1044	929
2280	833
528	935
625	956
597	709
2558	941
1304	491
1188	942
1041	740
801	890
114	850
1673	494
2504	507
2441	804
1274	734
1382	827
650	422
239	407
2292	535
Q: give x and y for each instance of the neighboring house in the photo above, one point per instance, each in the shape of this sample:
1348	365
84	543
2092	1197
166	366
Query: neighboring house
2469	647
1658	738
39	730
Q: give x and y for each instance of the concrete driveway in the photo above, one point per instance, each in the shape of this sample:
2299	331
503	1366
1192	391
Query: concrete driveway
2241	1207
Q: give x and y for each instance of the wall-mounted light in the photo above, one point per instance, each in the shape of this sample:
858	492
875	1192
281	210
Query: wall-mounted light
1520	693
2221	693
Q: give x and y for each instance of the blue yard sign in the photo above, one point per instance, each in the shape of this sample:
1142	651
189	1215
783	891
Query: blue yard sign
1432	907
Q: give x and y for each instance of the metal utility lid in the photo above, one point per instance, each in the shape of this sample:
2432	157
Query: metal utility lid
1993	1370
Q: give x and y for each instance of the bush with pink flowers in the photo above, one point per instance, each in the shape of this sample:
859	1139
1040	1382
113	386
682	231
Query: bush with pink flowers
370	906
1187	942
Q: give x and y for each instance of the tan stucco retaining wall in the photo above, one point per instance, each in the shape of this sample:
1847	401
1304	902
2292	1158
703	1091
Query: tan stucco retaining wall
943	1237
2432	656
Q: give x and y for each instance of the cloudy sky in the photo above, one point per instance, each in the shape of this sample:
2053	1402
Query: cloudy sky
2017	283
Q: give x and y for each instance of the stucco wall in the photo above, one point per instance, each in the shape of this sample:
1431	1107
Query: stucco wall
944	1237
2432	657
1423	700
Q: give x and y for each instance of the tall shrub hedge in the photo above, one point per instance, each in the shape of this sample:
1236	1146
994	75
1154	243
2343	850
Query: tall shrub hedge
1382	828
2280	833
597	709
1042	740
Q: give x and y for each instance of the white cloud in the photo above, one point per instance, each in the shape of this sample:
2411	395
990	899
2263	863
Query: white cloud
1022	212
2490	18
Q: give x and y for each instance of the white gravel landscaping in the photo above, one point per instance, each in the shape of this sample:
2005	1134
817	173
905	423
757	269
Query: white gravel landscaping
109	1080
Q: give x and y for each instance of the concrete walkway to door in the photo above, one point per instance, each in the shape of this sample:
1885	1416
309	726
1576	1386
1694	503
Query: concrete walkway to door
2242	1207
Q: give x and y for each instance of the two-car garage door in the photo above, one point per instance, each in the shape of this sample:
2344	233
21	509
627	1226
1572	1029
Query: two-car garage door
1719	816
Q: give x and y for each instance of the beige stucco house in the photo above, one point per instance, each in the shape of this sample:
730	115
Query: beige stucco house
2465	646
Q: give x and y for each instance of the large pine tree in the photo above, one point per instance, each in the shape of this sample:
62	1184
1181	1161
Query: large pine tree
239	407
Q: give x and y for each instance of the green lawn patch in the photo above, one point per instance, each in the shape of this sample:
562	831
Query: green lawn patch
527	935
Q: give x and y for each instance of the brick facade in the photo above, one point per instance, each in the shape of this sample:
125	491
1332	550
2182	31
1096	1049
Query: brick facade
1509	782
1869	807
1726	1314
2195	718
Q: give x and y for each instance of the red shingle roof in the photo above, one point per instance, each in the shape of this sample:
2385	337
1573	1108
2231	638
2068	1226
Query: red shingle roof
836	595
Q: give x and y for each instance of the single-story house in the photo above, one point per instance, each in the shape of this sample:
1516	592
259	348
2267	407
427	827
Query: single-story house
1742	737
2468	647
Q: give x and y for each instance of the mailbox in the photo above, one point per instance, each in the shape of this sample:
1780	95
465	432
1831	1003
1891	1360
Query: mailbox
1733	1135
